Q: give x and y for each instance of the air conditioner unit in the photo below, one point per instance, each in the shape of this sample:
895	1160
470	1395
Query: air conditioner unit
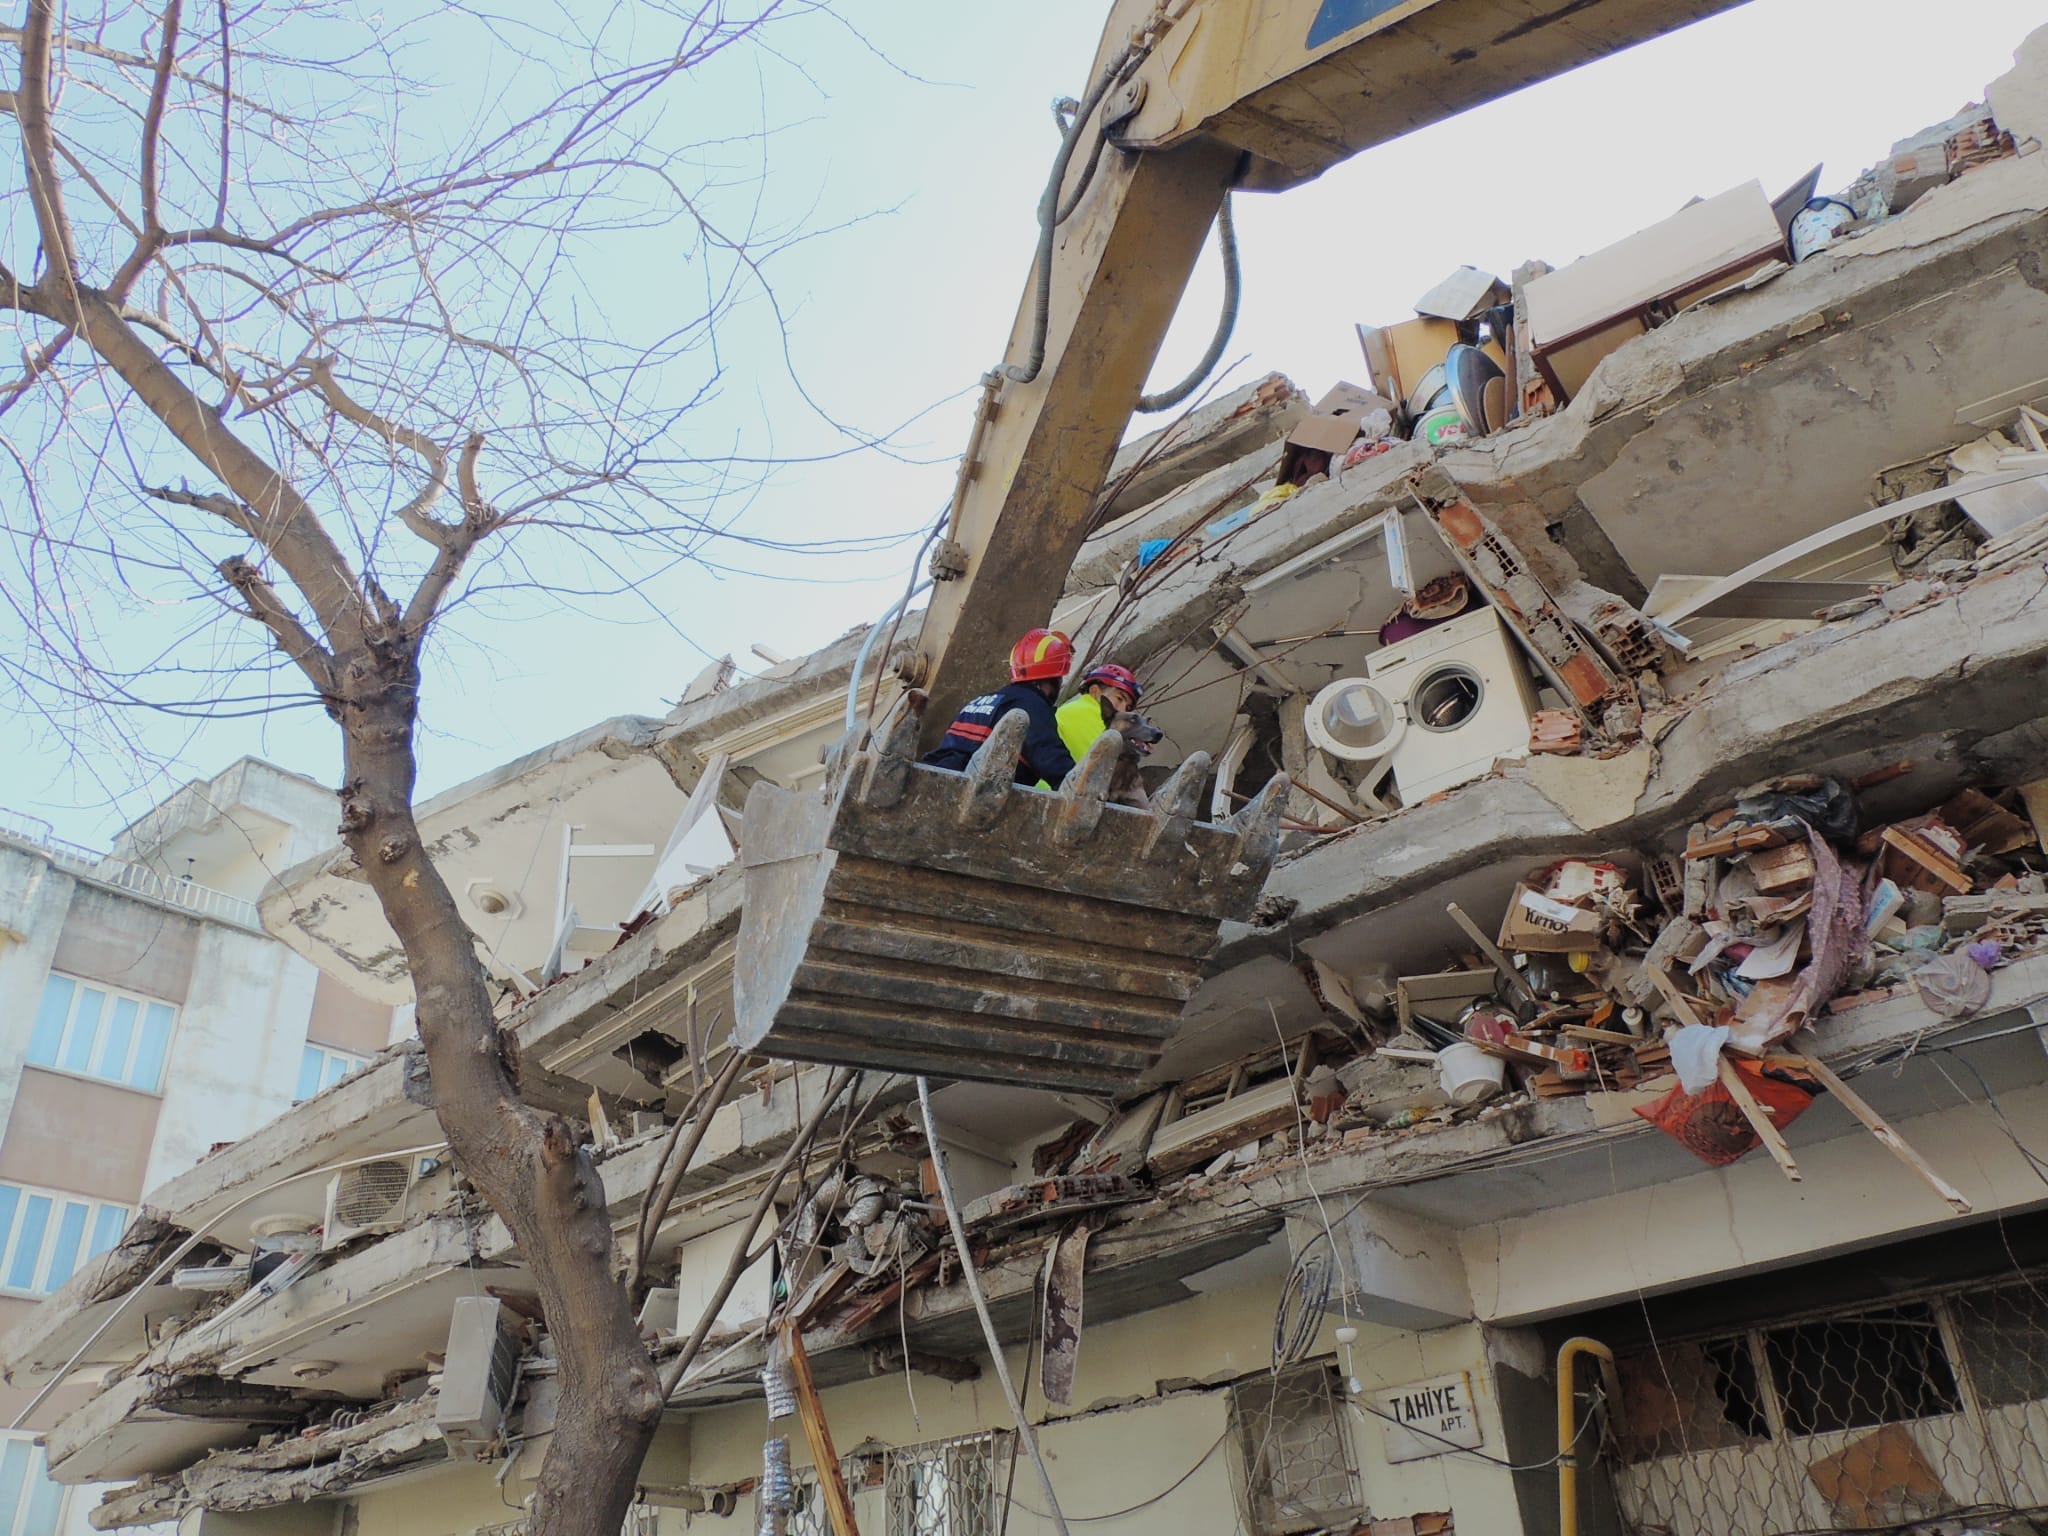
381	1197
478	1376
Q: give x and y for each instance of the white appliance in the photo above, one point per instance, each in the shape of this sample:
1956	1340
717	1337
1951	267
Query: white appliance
1438	708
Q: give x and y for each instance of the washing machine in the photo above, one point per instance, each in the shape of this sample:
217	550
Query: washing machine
1437	708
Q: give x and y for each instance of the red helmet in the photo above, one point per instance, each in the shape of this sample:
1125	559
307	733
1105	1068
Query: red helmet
1041	653
1115	677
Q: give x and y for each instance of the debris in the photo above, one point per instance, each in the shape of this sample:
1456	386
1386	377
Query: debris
1955	985
1717	1128
1063	1293
1882	1480
1554	730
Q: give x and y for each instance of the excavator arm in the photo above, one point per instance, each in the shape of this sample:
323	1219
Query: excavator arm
957	925
1204	96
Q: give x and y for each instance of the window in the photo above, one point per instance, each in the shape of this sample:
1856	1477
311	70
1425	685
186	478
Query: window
321	1068
30	1504
97	1032
1296	1458
1864	1418
1850	1372
947	1488
45	1236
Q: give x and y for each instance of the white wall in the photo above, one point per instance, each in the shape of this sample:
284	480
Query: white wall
235	1060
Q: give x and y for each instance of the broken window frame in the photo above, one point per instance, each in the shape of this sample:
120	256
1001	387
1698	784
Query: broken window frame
326	1066
100	1225
57	1043
31	1502
963	1477
1282	1494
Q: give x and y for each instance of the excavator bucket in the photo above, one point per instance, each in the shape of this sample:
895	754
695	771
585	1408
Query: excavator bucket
957	925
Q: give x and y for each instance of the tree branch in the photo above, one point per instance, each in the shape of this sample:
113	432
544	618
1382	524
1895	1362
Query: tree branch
269	610
153	124
478	519
414	514
39	145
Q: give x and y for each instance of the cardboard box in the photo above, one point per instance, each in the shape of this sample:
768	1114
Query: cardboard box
1399	355
1536	923
1580	313
1334	424
1462	295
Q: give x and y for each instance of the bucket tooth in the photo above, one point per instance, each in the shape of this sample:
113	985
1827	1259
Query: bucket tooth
888	769
1257	824
992	771
1173	808
1086	791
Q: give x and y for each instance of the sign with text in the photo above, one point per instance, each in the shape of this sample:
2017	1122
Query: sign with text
1428	1418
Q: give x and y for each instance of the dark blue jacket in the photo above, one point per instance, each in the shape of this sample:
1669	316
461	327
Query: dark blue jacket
1045	756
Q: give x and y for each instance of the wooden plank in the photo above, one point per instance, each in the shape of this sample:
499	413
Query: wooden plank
1936	864
1491	951
1680	1003
824	1455
1721	844
1892	1141
1759	1120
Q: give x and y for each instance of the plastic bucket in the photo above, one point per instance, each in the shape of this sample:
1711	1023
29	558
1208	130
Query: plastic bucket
1467	1074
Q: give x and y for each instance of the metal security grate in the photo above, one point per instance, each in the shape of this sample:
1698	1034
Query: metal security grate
948	1488
1929	1414
1290	1432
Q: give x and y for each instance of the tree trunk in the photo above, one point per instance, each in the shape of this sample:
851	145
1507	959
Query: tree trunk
525	1162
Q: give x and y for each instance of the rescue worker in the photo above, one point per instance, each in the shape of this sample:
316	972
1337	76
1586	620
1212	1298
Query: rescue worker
1037	663
1106	691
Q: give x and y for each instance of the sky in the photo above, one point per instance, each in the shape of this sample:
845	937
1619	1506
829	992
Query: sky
931	130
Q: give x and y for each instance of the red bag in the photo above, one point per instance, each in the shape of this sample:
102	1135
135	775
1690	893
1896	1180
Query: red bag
1711	1125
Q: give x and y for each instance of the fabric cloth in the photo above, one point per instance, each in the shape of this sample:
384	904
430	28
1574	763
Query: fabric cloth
1045	756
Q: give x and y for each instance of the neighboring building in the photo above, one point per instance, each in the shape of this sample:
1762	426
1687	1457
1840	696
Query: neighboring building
145	1017
1314	1292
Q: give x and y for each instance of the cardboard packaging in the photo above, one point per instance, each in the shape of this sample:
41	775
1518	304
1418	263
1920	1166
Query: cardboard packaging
1580	313
1335	423
1534	922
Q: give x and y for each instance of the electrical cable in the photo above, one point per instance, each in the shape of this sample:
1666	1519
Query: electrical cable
1451	1447
1226	322
1304	1298
988	1327
1145	1503
1050	216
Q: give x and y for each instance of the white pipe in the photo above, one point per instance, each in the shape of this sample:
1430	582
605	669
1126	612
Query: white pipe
988	1327
860	662
190	1243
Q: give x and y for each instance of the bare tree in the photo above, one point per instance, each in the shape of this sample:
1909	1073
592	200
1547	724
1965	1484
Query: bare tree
311	313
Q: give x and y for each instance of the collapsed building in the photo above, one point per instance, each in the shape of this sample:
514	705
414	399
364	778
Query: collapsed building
1662	675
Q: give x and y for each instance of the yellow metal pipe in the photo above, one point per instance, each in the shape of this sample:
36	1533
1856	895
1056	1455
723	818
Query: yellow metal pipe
1568	1427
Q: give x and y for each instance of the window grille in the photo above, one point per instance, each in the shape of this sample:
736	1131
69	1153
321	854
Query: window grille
30	1504
947	1488
321	1067
98	1032
1921	1414
45	1236
1297	1460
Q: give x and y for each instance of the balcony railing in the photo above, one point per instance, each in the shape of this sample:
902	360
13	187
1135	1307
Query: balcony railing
24	830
